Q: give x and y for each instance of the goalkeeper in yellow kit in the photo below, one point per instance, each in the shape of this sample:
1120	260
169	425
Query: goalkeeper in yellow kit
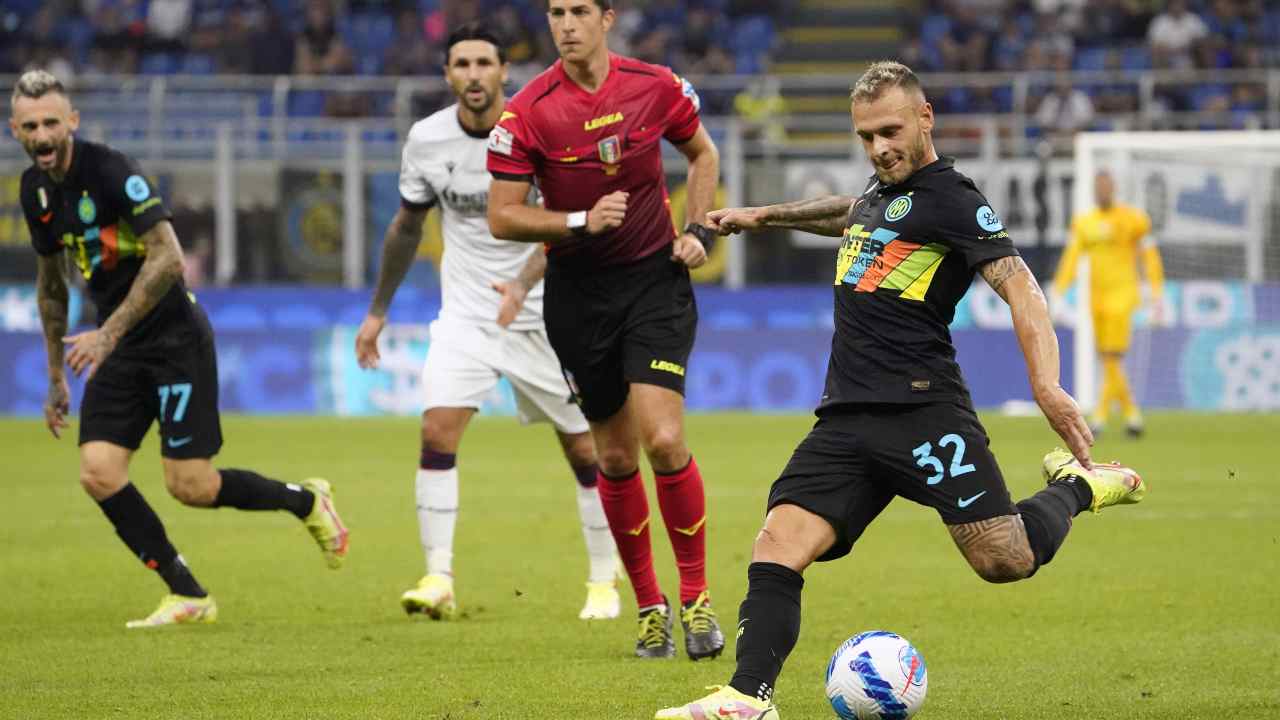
1114	235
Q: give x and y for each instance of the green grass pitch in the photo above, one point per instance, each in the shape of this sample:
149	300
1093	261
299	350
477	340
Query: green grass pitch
1168	609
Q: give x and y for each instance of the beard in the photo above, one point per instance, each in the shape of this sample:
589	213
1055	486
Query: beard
907	164
478	106
34	150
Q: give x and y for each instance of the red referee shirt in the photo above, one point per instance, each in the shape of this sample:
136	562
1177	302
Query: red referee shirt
580	146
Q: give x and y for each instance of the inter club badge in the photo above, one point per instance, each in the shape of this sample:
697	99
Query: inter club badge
610	150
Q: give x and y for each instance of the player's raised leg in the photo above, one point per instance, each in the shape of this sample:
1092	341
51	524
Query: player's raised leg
623	498
1014	547
195	482
436	487
659	414
104	475
602	602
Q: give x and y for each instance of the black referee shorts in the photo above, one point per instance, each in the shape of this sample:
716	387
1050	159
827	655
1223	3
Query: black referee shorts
632	323
858	458
172	378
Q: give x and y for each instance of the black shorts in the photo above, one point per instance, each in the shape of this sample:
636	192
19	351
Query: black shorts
857	458
172	378
632	323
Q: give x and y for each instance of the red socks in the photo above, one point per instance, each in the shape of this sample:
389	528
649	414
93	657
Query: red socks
628	511
684	510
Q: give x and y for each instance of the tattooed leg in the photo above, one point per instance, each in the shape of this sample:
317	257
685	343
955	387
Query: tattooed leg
997	549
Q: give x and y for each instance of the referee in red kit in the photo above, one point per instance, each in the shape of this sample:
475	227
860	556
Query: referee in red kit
618	303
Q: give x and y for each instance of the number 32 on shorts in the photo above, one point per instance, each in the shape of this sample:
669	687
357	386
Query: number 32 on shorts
926	459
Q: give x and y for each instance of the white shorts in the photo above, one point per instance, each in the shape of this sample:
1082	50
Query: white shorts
465	361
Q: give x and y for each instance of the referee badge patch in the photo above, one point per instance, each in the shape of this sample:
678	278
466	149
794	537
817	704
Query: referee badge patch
610	150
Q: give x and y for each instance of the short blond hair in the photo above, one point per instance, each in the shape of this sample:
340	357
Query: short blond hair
36	84
883	76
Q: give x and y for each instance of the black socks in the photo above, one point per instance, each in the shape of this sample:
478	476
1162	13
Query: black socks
247	490
141	530
1047	515
768	627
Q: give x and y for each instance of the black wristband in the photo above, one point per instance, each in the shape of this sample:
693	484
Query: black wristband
705	235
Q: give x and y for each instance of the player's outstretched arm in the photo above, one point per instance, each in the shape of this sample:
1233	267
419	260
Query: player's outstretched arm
820	216
52	298
399	247
160	270
1013	281
510	218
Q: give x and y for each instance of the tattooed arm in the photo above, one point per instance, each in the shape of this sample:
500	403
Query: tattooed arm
513	292
821	216
160	270
399	247
1013	281
52	298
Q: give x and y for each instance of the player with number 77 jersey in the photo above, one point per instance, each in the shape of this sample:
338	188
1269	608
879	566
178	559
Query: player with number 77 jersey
151	358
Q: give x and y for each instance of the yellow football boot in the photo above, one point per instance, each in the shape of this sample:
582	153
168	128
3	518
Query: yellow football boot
726	703
179	610
432	597
324	524
1111	483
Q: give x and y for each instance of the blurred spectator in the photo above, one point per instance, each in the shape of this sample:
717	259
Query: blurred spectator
1065	110
41	44
701	52
964	47
1070	13
1009	51
274	48
320	50
653	46
1051	46
410	52
1174	34
118	32
168	22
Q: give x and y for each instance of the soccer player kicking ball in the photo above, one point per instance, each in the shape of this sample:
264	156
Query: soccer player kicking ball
619	305
151	357
895	417
481	334
1113	235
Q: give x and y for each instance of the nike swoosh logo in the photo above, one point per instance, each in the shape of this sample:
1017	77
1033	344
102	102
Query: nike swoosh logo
179	442
45	218
966	502
639	528
693	529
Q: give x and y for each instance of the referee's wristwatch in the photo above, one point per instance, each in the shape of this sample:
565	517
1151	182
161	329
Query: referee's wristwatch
705	235
577	223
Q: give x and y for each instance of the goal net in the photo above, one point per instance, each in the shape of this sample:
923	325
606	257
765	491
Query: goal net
1214	203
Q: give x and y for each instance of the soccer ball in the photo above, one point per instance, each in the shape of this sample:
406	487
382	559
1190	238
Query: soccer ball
876	675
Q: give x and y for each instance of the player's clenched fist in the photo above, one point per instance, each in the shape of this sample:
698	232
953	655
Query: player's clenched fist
608	213
728	221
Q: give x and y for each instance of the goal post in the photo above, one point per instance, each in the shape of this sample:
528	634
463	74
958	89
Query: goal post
1214	202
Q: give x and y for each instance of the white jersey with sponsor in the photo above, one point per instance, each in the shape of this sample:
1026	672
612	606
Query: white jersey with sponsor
443	163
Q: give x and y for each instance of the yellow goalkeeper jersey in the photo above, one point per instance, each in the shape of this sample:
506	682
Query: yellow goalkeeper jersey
1113	239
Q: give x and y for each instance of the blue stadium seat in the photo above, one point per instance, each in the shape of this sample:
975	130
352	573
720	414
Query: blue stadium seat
158	64
306	103
1091	59
1135	58
199	64
752	37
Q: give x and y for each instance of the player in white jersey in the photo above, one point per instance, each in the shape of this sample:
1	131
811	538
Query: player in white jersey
490	323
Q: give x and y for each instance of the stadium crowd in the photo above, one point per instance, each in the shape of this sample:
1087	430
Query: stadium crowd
331	37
